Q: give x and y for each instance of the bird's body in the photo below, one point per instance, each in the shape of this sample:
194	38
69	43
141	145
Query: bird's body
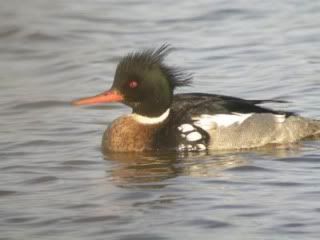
191	121
203	124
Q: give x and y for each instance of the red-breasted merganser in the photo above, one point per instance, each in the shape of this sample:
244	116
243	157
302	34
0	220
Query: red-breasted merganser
190	121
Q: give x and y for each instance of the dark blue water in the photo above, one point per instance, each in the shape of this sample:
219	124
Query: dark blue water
56	184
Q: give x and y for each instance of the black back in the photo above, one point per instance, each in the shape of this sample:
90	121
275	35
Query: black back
192	104
188	105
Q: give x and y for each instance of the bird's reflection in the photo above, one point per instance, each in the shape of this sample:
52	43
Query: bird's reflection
153	168
142	167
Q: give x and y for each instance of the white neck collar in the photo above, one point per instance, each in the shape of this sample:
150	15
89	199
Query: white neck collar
151	120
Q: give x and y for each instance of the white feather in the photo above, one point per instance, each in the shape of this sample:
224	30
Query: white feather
181	147
201	146
206	121
194	136
151	120
279	118
185	127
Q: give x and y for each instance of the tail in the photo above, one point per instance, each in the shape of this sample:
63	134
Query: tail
315	128
301	128
317	133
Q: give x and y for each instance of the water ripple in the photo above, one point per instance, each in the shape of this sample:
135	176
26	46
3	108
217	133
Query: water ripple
42	104
56	184
206	223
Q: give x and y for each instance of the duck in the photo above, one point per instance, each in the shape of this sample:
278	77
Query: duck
188	122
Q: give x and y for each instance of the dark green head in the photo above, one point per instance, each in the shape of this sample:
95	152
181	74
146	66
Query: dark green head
146	82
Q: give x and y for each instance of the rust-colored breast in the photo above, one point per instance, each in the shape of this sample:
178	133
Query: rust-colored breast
127	135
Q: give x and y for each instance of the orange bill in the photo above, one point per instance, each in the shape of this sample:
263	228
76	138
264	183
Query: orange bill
105	97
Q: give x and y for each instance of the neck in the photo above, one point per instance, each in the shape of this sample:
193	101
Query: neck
151	120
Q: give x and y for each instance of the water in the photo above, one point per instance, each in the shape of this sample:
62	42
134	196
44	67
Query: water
56	184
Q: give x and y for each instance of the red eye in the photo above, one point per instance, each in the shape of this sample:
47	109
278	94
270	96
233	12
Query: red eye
133	84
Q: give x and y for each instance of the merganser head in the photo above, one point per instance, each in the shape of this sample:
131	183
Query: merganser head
144	82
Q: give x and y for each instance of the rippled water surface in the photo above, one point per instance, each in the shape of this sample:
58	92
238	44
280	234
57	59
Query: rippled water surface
56	184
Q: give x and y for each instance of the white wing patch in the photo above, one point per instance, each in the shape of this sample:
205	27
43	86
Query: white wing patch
194	136
201	147
279	118
206	121
186	128
191	138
